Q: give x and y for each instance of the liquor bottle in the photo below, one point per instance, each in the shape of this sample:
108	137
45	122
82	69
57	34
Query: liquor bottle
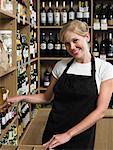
63	51
57	46
56	15
110	46
43	45
43	17
46	79
71	12
80	12
95	47
50	15
63	14
103	47
96	16
110	14
86	12
103	17
36	74
50	44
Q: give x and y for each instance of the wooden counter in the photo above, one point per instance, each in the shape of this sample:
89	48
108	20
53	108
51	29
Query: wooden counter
104	132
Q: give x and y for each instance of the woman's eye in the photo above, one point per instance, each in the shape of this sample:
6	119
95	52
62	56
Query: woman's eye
75	41
67	44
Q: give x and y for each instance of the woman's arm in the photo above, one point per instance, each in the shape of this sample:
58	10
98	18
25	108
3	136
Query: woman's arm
36	98
104	97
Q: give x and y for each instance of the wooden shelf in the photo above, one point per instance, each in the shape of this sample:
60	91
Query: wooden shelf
53	58
33	60
6	15
34	132
7	72
109	113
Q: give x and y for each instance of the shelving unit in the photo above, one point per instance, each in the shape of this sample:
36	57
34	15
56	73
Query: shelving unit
9	79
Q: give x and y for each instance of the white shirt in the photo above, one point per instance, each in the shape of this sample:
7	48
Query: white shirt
104	70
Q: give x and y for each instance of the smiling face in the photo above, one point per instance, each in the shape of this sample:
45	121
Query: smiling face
77	45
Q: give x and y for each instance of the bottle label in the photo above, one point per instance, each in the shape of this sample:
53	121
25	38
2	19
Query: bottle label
50	17
86	15
56	18
57	46
64	17
96	26
46	83
81	9
50	46
86	9
43	46
96	54
43	17
104	26
71	15
79	14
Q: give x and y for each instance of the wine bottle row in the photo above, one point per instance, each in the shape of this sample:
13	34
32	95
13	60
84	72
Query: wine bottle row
103	16
6	116
53	15
104	48
33	44
23	117
22	48
32	13
21	11
34	78
10	137
51	46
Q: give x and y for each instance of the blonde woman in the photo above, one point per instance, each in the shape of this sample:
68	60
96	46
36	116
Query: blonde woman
82	88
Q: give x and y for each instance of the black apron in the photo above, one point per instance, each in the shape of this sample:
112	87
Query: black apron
75	96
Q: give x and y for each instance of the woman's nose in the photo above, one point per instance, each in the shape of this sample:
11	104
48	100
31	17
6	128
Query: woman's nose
72	45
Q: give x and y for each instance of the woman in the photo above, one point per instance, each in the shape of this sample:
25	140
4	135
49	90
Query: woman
82	88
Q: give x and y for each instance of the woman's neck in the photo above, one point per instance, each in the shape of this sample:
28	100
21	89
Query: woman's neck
85	59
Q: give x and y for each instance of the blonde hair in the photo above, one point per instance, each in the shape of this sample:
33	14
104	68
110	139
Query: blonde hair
76	26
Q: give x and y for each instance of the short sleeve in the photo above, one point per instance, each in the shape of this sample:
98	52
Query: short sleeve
55	71
107	71
59	68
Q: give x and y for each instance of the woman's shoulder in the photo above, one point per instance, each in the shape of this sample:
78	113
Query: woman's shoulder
104	69
102	63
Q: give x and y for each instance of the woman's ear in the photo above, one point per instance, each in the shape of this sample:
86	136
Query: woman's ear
87	36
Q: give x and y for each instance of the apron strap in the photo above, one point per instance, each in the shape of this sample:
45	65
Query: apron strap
93	70
68	65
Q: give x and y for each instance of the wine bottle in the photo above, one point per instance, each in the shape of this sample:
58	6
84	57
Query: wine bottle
43	45
95	47
43	15
110	14
71	12
46	80
86	12
103	17
63	14
50	44
57	46
56	15
103	48
50	15
110	46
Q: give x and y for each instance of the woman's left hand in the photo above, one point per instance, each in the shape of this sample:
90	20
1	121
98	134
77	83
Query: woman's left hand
57	140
